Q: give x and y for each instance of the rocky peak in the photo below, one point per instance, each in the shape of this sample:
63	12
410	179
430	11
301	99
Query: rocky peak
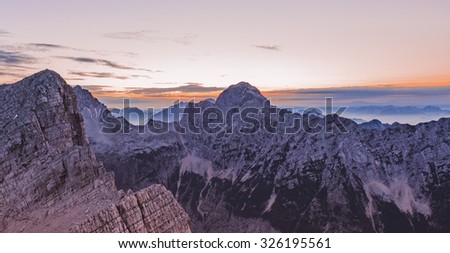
242	94
45	102
45	84
46	78
51	181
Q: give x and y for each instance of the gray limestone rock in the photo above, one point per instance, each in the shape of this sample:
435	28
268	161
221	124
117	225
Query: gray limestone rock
51	181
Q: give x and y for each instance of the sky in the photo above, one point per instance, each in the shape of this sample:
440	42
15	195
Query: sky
296	52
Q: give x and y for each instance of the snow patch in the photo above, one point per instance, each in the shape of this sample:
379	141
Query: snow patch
200	167
197	165
270	202
246	176
398	192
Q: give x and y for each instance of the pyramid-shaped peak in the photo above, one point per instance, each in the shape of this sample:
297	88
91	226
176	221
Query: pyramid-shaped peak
242	85
45	79
241	94
41	88
47	73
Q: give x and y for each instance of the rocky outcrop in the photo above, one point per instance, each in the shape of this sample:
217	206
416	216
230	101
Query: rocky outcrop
151	209
50	180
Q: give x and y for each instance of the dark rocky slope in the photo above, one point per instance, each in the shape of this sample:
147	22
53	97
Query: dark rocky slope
392	179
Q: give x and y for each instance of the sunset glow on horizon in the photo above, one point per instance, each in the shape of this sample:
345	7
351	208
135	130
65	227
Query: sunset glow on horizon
195	49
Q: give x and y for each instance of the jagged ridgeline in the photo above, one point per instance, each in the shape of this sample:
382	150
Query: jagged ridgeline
394	178
59	172
51	181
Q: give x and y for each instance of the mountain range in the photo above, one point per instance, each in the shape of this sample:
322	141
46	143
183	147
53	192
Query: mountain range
368	178
69	164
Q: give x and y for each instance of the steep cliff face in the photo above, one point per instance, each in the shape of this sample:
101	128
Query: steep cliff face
366	179
50	180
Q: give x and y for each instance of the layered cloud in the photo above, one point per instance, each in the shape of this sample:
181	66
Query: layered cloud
4	33
106	63
190	88
44	46
15	64
36	47
376	95
98	75
151	36
19	60
154	96
268	47
132	35
10	57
